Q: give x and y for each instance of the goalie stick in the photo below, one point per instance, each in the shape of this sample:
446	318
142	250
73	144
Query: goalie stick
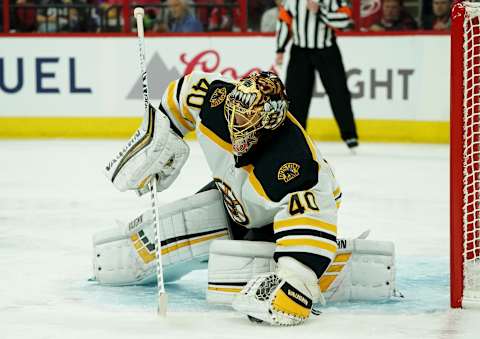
162	295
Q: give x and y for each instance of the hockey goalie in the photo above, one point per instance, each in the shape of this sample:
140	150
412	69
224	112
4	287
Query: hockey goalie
267	223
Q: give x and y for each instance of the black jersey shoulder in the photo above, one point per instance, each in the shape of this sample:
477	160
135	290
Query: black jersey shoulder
211	113
286	163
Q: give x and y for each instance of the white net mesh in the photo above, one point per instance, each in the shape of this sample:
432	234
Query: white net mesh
471	153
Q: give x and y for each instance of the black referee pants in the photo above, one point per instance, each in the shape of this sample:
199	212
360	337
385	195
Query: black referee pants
300	80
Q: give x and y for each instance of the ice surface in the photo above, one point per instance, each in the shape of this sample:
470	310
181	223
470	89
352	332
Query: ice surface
53	197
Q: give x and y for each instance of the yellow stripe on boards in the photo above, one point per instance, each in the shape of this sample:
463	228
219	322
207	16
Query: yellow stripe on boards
410	131
307	242
284	303
225	289
94	127
71	127
305	221
215	138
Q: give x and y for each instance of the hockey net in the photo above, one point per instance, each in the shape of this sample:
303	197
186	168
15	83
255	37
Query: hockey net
465	155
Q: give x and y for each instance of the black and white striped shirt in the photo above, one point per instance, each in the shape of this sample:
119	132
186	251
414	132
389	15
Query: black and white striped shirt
310	30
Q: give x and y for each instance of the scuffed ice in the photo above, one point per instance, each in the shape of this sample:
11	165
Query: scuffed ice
423	282
53	197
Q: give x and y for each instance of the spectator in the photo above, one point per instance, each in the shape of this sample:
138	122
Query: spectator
52	19
440	19
181	19
72	17
225	17
255	9
269	18
394	18
89	18
202	11
25	16
110	15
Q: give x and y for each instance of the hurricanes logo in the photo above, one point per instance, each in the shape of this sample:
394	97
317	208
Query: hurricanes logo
218	96
234	207
288	171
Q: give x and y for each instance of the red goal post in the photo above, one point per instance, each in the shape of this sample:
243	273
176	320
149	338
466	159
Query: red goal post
465	156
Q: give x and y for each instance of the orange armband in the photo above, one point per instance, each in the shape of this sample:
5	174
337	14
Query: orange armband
284	15
345	9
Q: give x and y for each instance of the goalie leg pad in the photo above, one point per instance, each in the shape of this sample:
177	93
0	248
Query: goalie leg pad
154	149
361	270
126	255
232	263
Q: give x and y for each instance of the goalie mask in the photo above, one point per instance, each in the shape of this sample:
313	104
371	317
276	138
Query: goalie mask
258	103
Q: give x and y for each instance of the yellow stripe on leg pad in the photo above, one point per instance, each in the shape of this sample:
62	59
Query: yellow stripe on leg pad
335	268
146	255
342	257
192	242
326	281
225	289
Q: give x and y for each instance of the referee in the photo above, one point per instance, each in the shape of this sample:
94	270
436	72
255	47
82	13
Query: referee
312	24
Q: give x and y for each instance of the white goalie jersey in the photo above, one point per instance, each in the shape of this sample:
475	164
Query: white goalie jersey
285	182
280	188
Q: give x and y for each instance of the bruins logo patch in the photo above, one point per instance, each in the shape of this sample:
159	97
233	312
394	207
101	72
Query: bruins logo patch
218	96
288	171
233	205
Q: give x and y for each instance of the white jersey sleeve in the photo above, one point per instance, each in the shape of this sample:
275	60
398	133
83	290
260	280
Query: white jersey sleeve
183	99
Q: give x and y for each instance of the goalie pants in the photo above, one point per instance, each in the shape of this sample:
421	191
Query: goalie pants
266	234
300	82
239	232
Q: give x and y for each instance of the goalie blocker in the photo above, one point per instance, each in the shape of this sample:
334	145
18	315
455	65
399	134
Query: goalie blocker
195	229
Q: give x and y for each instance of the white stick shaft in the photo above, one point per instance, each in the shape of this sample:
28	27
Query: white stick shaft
143	66
162	296
157	225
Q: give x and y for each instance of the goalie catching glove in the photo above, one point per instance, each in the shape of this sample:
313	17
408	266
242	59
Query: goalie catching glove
154	149
283	297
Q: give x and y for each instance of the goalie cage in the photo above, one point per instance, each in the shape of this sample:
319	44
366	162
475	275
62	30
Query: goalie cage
465	156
